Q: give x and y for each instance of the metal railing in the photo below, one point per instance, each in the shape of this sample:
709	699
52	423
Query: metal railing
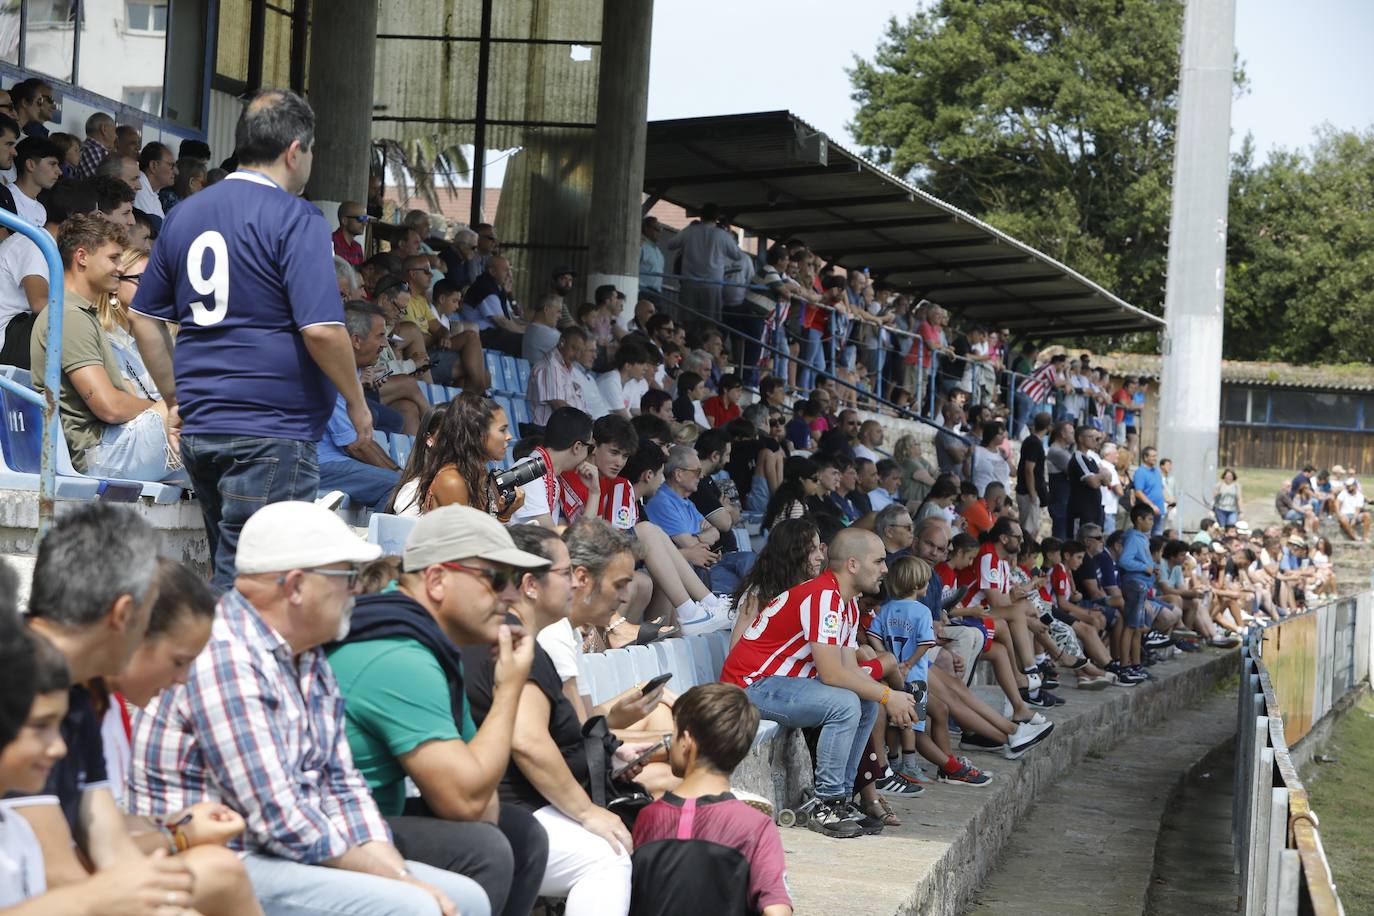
52	374
1292	674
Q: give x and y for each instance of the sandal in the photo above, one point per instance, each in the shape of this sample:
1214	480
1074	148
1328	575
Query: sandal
879	808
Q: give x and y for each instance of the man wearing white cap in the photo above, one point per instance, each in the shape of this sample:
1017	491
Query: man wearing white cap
259	726
1350	510
460	573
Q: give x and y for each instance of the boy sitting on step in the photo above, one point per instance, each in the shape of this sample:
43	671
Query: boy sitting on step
699	849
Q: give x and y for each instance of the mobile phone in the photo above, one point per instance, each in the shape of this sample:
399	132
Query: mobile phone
654	683
642	758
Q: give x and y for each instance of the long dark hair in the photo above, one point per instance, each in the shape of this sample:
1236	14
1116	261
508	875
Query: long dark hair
461	443
782	562
418	461
794	470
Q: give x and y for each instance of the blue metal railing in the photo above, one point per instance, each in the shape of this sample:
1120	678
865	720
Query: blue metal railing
52	375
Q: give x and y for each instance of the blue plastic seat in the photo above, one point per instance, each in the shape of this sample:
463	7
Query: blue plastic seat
511	371
522	374
390	532
401	446
521	411
701	659
496	368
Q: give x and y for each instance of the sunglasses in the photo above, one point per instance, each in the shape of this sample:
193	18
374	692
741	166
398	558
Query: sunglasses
129	278
497	579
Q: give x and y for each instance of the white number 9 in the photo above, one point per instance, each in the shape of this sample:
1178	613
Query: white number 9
215	285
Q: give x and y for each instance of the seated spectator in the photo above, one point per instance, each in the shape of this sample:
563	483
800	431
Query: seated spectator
446	596
1296	506
360	468
724	407
755	463
410	354
157	169
841	438
617	387
611	496
37	167
987	462
24	271
1351	511
894	525
488	304
691	391
97	622
870	439
657	403
942	501
974	510
866	480
143	234
554	383
550	772
703	871
259	725
798	429
123	168
472	431
717	501
794	551
655	429
114	200
190	179
566	443
797	664
918	474
800	481
951	448
353	220
673	510
889	479
99	143
110	431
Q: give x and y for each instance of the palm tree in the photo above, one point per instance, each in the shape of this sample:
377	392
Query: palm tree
419	167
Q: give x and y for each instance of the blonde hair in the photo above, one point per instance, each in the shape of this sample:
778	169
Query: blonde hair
904	448
908	577
108	308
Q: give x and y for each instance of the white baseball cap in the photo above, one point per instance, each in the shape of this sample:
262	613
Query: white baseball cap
298	535
1351	482
462	533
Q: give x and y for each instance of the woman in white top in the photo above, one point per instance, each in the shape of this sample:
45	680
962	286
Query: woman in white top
988	463
113	312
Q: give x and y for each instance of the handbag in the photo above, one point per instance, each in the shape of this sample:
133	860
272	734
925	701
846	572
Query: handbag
621	797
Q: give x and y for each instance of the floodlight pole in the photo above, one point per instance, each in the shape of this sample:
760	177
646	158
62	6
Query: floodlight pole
1190	390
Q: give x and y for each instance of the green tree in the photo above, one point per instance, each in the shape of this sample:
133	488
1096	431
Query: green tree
1051	119
1300	272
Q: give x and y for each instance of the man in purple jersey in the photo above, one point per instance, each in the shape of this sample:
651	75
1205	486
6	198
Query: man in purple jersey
245	269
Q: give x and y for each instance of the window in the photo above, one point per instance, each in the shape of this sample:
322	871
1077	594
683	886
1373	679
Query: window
1235	405
148	98
49	37
51	12
1315	408
146	16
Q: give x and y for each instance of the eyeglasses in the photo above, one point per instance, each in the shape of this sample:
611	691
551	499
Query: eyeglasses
696	471
815	479
130	278
497	579
564	571
350	576
360	217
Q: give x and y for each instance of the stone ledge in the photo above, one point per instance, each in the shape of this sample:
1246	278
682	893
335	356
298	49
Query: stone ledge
951	836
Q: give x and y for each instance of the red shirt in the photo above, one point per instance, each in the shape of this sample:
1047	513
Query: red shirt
990	573
718	413
778	642
977	518
617	504
347	248
1060	585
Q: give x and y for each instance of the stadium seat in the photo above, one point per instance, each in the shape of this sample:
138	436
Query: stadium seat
401	446
496	368
701	659
511	371
382	439
719	642
522	375
389	532
521	411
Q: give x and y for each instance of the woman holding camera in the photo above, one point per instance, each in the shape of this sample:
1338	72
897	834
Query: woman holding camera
474	431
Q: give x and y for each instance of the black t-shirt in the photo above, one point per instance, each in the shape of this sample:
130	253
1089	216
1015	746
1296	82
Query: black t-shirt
744	461
707	500
835	442
479	668
1085	501
954	368
1033	454
84	766
1086	572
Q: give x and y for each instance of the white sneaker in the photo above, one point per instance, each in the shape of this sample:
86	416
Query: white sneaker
706	618
1033	681
331	500
1027	735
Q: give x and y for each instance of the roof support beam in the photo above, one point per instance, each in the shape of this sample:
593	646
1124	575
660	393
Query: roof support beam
901	222
792	206
996	281
842	167
846	250
968	265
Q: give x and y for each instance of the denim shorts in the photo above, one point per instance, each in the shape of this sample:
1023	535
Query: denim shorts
136	450
1135	592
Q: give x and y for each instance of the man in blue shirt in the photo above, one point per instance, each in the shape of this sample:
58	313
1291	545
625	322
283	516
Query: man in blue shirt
245	268
1149	486
359	467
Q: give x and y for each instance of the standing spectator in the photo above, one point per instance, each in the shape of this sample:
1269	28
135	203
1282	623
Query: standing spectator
1228	501
37	166
951	448
705	249
797	664
157	170
1085	479
352	223
281	337
1148	484
650	262
99	143
34	106
259	724
1166	474
1032	481
553	382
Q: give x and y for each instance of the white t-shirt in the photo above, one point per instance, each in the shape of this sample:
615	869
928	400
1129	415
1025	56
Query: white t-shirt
563	645
634	393
19	258
28	208
537	500
1110	501
21	860
863	451
591	392
1350	503
146	199
118	752
612	391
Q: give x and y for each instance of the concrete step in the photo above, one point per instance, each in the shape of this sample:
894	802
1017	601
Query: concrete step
952	836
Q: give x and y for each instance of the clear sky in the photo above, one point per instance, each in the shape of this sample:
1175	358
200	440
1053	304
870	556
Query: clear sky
1308	63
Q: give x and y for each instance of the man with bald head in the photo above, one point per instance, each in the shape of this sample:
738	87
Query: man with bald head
930	542
798	663
99	143
124	168
488	303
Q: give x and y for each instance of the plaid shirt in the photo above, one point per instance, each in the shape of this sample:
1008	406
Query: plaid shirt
263	733
92	154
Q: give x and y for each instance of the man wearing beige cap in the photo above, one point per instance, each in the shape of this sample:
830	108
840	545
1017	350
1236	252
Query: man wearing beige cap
259	726
459	577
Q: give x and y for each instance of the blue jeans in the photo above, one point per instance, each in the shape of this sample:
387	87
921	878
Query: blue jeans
287	888
1135	590
812	361
364	483
1226	518
386	419
730	570
235	476
845	722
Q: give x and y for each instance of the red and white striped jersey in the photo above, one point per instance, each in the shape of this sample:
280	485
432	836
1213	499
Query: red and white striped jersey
1038	384
778	643
993	575
617	504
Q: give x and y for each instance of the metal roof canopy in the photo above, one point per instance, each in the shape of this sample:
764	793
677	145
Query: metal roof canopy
777	176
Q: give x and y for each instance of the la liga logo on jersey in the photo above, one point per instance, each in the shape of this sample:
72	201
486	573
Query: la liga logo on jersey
830	623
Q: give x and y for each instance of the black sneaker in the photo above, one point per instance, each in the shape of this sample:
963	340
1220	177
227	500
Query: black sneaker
867	823
972	741
1124	678
1140	672
1042	700
1157	640
830	817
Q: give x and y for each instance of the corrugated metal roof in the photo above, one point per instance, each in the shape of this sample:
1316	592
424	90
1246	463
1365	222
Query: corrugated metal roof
774	174
1349	377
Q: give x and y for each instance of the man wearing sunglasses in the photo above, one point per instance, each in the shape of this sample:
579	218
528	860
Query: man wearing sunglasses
456	588
34	105
352	223
259	725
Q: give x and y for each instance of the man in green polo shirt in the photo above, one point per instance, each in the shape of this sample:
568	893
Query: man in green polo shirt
110	432
401	673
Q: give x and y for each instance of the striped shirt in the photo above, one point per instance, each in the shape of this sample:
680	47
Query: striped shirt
551	379
262	732
1038	384
991	574
778	642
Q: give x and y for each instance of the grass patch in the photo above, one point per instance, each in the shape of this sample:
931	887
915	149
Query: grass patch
1258	488
1344	805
